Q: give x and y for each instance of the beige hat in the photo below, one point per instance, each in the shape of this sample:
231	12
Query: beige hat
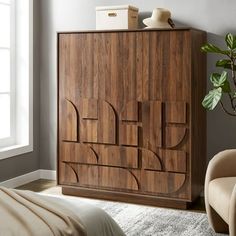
161	18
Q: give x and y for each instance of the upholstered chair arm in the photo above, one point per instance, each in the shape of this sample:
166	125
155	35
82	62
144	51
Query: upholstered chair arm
222	165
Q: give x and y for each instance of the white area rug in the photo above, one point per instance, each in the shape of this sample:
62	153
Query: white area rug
137	220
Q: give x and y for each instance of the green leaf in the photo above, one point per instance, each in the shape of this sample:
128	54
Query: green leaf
226	64
223	77
215	77
226	87
223	63
212	98
230	41
221	80
208	47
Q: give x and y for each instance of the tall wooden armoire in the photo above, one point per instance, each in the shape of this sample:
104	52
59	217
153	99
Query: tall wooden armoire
130	122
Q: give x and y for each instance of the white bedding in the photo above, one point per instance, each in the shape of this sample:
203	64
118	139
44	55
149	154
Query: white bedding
95	220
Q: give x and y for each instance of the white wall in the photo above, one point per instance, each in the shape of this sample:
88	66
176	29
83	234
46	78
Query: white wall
214	16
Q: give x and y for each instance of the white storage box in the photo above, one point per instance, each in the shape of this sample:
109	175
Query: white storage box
116	17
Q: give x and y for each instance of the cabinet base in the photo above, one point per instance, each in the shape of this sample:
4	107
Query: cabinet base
125	197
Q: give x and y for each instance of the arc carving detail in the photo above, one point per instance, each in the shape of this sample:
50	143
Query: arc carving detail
104	176
70	121
125	149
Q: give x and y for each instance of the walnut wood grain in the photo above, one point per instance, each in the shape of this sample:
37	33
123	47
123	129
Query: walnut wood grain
89	108
164	182
174	136
105	177
129	135
125	197
198	118
176	112
69	121
152	124
78	153
175	161
99	122
137	98
150	160
130	111
116	156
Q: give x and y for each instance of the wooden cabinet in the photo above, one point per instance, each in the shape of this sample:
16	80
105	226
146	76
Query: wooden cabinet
130	122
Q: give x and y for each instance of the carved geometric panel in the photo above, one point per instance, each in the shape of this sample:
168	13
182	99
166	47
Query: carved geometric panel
89	131
69	122
152	124
69	173
174	136
78	153
98	128
98	123
161	182
107	123
120	178
107	177
129	135
87	175
117	178
175	160
117	156
136	157
150	161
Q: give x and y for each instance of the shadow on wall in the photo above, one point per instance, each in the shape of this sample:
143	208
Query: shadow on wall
142	16
48	93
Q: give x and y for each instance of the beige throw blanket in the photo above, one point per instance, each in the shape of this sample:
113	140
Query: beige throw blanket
23	213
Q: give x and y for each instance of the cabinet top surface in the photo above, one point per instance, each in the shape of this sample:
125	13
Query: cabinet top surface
128	30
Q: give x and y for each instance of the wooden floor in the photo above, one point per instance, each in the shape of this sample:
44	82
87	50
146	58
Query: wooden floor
42	185
38	185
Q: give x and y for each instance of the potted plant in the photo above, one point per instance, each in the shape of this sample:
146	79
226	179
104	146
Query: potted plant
222	165
224	83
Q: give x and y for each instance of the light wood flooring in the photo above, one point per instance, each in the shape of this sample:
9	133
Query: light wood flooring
38	185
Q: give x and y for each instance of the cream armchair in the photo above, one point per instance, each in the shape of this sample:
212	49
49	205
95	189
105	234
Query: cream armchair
220	192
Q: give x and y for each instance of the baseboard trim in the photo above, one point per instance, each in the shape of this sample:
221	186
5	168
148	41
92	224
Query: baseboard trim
48	174
29	177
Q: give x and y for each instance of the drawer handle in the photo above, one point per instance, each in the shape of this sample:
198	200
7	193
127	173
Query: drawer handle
112	14
134	17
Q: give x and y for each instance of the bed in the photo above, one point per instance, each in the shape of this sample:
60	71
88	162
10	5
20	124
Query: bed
95	220
25	213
